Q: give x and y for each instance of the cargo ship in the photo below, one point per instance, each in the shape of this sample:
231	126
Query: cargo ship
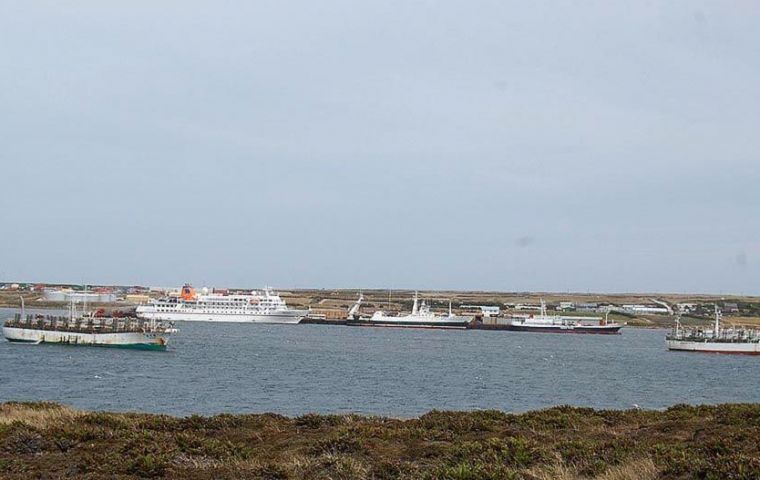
420	317
544	323
717	339
263	306
96	330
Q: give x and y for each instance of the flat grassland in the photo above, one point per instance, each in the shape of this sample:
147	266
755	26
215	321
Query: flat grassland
42	440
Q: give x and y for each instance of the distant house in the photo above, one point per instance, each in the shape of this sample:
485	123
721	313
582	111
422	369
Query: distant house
566	306
523	306
687	307
730	308
646	309
137	298
485	310
587	307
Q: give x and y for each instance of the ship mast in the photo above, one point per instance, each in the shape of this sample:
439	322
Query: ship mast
717	320
414	307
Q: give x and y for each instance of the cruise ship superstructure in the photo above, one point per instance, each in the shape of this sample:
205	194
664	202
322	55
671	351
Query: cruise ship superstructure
264	306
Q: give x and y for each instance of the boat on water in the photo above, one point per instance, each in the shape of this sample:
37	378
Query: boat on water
93	329
714	340
544	323
420	317
263	306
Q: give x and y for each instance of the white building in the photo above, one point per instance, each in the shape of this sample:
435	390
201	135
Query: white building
646	309
486	310
566	306
77	297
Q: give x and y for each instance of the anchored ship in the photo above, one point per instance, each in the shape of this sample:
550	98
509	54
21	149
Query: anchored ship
263	306
96	329
421	317
555	324
715	340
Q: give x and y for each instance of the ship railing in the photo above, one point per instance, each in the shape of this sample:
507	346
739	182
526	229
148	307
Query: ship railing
89	324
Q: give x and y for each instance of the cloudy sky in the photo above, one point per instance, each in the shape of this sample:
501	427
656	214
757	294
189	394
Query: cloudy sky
560	146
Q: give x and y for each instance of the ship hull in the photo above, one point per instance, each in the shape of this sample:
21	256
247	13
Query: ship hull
735	348
134	340
444	325
588	330
288	317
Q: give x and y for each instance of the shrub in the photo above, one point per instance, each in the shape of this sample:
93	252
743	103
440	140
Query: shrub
148	466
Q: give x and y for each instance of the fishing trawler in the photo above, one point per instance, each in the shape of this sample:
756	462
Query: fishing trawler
545	323
714	340
94	329
421	317
263	306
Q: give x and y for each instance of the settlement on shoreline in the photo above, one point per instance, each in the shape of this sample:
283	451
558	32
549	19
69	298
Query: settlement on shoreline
338	301
46	440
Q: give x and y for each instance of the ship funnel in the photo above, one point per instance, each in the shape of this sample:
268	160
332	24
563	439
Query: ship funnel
188	292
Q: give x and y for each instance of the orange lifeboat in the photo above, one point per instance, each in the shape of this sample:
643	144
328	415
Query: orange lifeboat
188	292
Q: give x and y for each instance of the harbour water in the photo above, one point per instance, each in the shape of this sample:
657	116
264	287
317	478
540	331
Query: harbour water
295	369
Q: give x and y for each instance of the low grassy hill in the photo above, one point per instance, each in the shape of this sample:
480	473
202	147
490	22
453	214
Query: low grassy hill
43	440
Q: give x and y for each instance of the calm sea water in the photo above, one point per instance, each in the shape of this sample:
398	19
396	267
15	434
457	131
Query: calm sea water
294	369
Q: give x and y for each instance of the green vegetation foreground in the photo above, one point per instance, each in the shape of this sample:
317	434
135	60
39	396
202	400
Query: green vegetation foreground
44	440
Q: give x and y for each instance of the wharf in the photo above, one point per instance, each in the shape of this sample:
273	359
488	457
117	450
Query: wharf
322	321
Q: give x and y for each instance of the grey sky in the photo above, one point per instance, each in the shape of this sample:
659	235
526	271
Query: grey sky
603	146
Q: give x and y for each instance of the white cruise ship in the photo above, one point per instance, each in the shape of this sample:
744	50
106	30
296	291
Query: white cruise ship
263	306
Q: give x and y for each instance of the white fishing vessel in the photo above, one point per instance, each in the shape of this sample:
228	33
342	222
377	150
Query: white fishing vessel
93	329
715	340
544	323
420	317
263	306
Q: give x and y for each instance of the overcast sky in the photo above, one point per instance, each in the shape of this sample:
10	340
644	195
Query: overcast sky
554	146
